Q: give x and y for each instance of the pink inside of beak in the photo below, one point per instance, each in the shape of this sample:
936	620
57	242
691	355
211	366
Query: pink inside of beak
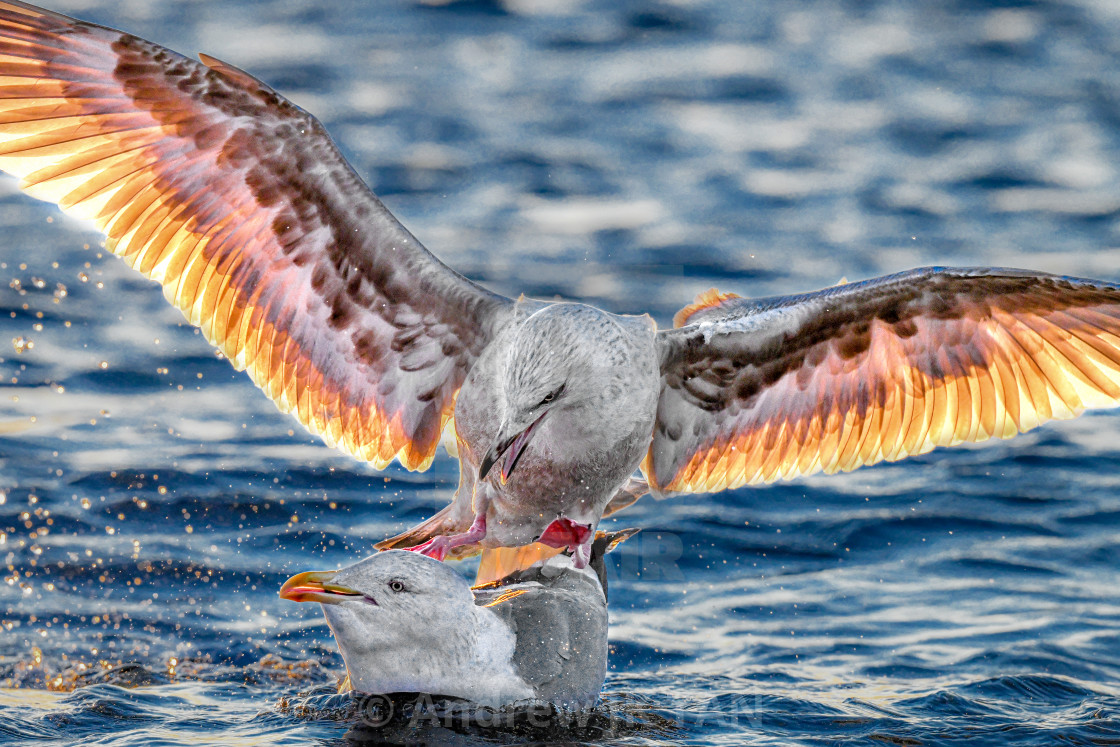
563	532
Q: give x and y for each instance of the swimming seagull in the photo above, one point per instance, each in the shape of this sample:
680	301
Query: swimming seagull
237	202
408	623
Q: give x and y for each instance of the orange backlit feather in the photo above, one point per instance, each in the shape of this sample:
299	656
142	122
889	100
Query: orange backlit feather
237	203
875	371
709	299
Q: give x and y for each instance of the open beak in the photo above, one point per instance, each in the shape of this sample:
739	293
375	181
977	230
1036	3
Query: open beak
315	586
508	451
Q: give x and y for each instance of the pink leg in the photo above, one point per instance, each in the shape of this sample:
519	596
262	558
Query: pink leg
566	533
582	553
437	547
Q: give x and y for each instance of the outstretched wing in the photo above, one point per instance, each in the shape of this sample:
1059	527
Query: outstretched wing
758	390
240	206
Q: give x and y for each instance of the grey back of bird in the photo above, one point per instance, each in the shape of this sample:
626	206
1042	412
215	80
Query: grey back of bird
559	617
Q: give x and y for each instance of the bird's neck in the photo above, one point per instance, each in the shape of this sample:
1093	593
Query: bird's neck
476	665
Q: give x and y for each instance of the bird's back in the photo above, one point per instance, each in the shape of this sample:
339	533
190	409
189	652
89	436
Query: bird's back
559	618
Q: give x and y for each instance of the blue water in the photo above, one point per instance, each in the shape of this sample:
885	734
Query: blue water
630	154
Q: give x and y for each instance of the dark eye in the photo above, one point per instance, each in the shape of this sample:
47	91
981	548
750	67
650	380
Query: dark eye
550	397
396	586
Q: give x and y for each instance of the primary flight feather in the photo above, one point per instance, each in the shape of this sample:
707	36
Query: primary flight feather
237	202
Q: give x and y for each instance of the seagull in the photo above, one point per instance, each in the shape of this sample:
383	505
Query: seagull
238	204
405	622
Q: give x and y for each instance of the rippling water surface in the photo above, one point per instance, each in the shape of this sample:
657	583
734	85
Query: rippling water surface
630	154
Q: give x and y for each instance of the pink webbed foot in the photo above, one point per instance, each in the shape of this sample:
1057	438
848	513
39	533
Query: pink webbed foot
581	554
564	532
437	547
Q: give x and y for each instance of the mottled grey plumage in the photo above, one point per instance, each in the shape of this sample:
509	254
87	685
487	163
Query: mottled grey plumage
237	202
408	623
582	385
590	437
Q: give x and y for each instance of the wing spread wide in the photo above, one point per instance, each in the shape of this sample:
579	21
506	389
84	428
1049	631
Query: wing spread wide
759	390
240	206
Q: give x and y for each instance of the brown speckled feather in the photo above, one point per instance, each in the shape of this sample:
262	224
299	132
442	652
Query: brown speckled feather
760	390
238	204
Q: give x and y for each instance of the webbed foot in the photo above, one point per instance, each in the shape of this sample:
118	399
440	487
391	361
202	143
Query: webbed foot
437	547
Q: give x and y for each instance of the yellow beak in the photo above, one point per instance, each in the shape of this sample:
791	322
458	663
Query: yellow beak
315	586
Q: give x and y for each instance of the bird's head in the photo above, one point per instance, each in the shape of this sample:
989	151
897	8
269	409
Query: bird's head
551	368
388	609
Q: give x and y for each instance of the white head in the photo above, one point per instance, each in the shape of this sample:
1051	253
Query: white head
405	622
566	361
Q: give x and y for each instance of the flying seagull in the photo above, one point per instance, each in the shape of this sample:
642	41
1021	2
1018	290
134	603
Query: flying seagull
236	201
408	623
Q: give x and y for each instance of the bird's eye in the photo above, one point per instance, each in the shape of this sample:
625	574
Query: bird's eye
396	586
550	397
